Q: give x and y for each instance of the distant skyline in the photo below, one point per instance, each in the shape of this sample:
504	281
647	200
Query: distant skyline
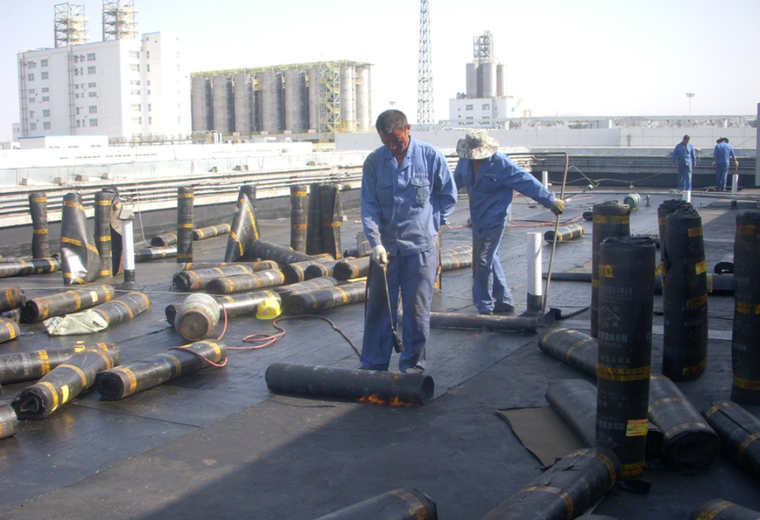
582	58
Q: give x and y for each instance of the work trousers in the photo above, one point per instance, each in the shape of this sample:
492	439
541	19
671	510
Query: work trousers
489	283
684	177
721	173
413	278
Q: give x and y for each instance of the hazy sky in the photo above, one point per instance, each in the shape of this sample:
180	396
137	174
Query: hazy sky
565	57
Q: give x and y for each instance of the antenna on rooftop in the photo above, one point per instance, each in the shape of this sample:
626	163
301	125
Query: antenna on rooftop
425	108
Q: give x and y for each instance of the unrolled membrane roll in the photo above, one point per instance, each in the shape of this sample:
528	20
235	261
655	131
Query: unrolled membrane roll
123	381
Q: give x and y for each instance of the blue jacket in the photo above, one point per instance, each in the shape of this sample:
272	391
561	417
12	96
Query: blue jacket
683	156
491	191
723	153
404	207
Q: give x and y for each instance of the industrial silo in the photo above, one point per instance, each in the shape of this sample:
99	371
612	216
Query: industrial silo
314	98
222	95
347	87
363	115
501	81
488	77
242	88
472	80
203	118
271	101
296	109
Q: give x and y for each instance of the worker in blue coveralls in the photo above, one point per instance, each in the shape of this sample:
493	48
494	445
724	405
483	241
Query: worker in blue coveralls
407	193
685	158
490	177
721	159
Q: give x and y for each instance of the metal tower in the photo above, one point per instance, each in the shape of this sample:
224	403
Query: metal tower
70	25
425	108
482	48
119	20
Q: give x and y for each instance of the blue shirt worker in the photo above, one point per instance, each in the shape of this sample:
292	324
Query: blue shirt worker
407	193
685	158
721	159
490	177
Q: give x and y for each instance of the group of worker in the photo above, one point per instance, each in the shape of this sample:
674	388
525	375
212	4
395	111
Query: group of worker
408	192
685	159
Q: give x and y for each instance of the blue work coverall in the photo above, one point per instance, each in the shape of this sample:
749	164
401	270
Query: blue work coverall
685	159
402	208
722	155
490	192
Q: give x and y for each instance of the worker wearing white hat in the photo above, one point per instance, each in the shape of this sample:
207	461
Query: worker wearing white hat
490	177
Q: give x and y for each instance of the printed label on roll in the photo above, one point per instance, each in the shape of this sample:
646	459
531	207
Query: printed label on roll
637	428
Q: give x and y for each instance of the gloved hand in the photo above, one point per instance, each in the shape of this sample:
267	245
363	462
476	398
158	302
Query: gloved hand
379	255
558	207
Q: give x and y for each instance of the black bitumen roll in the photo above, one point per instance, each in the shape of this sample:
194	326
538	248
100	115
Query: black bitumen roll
304	287
726	264
125	380
12	298
493	323
8	421
575	348
569	487
65	382
684	299
610	219
331	220
380	386
167	239
298	217
626	299
565	233
28	267
281	254
148	254
296	272
451	260
123	308
30	366
574	400
317	270
323	299
745	347
210	231
103	240
688	441
44	307
246	304
246	282
38	210
198	279
8	330
665	209
352	268
399	504
739	433
244	229
719	509
314	242
80	260
263	265
185	201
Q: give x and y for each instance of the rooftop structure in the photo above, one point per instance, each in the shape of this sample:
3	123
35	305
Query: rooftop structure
119	20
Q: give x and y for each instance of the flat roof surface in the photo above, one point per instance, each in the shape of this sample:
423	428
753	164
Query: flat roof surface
218	444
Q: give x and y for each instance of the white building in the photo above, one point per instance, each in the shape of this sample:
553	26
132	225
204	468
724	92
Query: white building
122	88
478	112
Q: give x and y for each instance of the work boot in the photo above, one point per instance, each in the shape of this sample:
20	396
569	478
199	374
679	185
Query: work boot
503	308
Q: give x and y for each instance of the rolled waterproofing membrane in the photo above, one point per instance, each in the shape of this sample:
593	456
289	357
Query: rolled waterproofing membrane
27	267
232	306
296	272
80	260
281	254
39	309
167	239
254	266
726	264
108	237
185	201
8	330
717	284
200	278
148	254
719	509
688	441
745	347
399	504
352	268
331	220
125	380
626	298
316	270
246	282
30	366
65	382
38	210
493	323
210	231
298	217
391	387
739	433
575	348
8	420
565	490
123	308
316	284
323	299
564	233
12	298
244	229
314	243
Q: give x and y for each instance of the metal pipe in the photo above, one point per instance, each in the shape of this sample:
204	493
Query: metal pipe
737	429
399	504
269	251
370	385
44	307
323	299
719	509
684	301
125	380
246	282
210	231
570	486
65	382
626	299
80	261
185	199
688	441
535	261
745	347
30	366
38	210
556	228
298	217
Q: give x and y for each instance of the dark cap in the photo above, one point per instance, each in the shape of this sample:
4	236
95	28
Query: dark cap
686	136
